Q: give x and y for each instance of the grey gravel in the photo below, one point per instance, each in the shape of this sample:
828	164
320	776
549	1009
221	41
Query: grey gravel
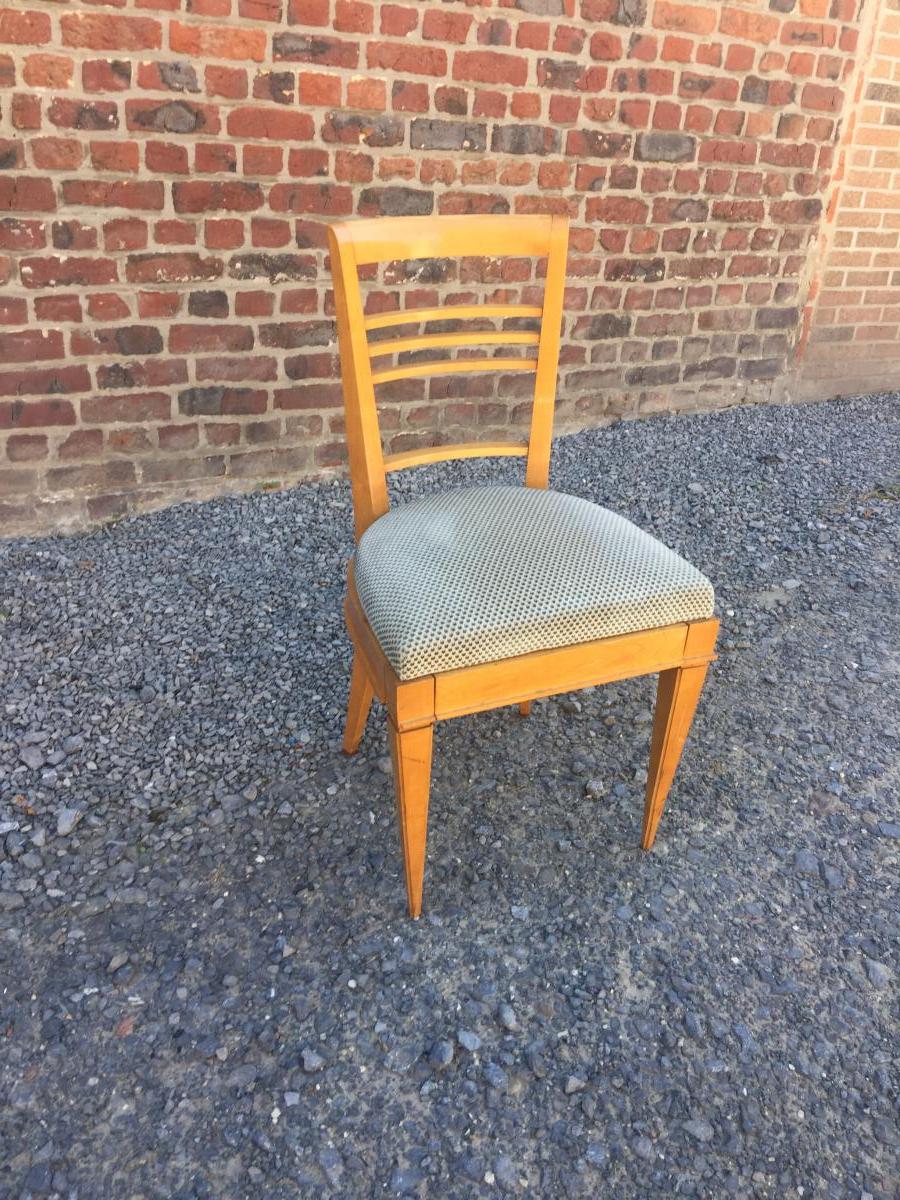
209	989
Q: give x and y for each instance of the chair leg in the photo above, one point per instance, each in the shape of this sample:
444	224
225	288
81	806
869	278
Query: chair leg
676	701
525	708
358	705
411	755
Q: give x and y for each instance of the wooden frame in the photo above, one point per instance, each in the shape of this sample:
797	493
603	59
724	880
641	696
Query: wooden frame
679	654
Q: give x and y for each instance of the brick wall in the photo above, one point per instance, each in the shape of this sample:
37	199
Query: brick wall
852	335
168	166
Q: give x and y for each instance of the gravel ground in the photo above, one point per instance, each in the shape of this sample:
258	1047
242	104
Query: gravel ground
208	984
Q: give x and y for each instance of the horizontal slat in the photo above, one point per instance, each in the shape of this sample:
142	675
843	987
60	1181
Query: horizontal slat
454	366
433	341
451	312
383	239
432	454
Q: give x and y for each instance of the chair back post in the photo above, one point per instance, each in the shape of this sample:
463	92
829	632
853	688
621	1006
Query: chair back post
537	468
368	482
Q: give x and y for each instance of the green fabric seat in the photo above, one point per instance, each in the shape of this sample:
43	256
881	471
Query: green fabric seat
485	573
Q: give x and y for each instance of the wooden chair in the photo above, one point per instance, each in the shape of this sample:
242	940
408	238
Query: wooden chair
415	561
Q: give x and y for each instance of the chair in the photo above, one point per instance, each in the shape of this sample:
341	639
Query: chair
490	596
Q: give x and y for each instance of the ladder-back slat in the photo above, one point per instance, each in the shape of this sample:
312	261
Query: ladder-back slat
454	366
431	454
353	244
434	341
452	312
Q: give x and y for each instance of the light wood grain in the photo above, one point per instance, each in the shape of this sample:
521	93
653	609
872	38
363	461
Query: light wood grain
358	705
432	454
676	700
437	341
453	366
411	756
452	312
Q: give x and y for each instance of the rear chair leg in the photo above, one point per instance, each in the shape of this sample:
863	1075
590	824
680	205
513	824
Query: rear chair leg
676	701
358	705
411	755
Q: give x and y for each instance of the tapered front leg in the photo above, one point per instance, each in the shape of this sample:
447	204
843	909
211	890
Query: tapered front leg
411	755
676	701
358	705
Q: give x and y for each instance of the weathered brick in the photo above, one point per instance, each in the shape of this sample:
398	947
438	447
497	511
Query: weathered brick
665	147
171	267
221	401
524	139
426	134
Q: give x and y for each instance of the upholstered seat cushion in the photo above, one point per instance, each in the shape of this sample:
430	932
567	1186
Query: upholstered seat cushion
485	573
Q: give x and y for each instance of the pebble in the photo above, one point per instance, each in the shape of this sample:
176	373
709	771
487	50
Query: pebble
700	1129
495	1076
440	1055
507	1017
505	1172
878	973
468	1040
311	1060
806	863
66	820
32	756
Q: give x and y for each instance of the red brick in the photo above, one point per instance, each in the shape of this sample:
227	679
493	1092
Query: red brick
26	112
685	18
270	123
13	310
197	196
406	59
104	306
308	12
116	194
218	41
66	272
228	82
754	27
110	31
325	198
167	158
441	25
26	28
57	153
159	305
822	98
38	414
115	156
26	447
31	345
354	16
489	66
533	35
397	20
106	75
139	406
47	70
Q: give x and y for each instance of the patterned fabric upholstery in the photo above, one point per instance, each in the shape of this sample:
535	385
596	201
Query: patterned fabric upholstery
485	573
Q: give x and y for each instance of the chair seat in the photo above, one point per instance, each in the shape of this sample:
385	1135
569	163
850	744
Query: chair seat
486	573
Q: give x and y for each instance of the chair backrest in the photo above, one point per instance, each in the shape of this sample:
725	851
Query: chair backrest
361	243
